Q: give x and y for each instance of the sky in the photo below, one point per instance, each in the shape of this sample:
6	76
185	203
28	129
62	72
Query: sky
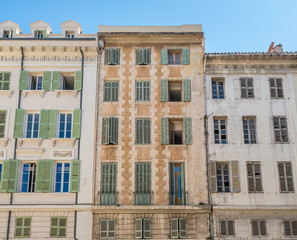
228	25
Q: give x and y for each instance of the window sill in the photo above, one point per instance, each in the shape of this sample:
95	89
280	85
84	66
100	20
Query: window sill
4	141
34	140
40	92
74	92
55	140
7	92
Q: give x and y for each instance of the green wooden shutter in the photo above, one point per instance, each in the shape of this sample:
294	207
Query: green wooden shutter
138	228
56	80
36	33
39	176
103	228
164	90
108	184
164	131
13	175
143	184
115	91
174	227
111	229
46	81
188	130
187	90
78	80
52	123
116	56
107	57
213	176
43	182
74	177
23	80
18	124
183	185
43	123
182	223
62	227
186	56
171	184
44	33
146	226
4	176
137	56
107	91
76	123
10	33
105	130
235	176
164	56
113	130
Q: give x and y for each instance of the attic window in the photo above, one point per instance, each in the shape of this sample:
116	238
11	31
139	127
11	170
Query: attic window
40	33
69	34
7	34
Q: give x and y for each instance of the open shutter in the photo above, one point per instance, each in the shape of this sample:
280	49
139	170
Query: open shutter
74	178
43	123
186	56
183	185
137	56
46	81
213	177
52	123
4	176
231	228
174	227
164	90
171	184
77	81
56	80
147	231
76	123
164	56
116	56
47	176
39	176
23	80
258	178
164	131
18	124
44	33
105	132
107	57
13	175
36	33
183	227
188	130
113	130
187	90
10	33
235	176
289	175
138	228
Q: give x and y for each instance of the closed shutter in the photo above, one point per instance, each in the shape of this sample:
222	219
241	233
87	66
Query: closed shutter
107	91
103	228
294	226
52	123
143	131
43	123
137	56
258	179
146	228
287	227
183	185
188	130
174	227
74	177
289	175
164	90
115	91
56	80
183	227
231	231
108	183
282	178
143	56
263	228
115	56
213	176
23	80
164	56
235	176
76	123
255	229
186	56
46	81
113	130
62	226
111	229
187	90
2	123
164	131
43	182
18	124
223	228
147	56
78	80
138	228
172	186
105	131
143	184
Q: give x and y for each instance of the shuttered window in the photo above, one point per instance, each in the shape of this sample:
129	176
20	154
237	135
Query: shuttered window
108	184
18	124
280	129
249	130
143	131
142	90
47	123
111	91
175	57
46	82
107	228
178	228
44	176
23	83
9	175
220	130
259	228
286	181
227	228
276	88
112	56
142	183
143	56
2	123
78	80
254	177
217	88
110	130
290	227
4	80
22	227
177	184
247	88
76	123
187	90
142	228
58	227
223	178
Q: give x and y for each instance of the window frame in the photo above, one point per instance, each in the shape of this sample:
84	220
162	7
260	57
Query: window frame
5	123
219	119
291	228
142	91
108	230
223	177
3	81
217	89
142	131
58	227
22	227
249	139
62	177
174	53
39	78
276	88
226	222
286	177
254	177
31	182
26	122
259	228
65	125
246	88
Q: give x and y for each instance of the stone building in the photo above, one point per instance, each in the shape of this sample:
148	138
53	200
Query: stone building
151	160
47	116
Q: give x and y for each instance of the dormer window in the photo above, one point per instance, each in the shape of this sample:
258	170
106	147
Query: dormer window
40	33
7	34
69	34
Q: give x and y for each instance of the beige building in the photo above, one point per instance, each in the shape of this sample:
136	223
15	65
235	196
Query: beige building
151	159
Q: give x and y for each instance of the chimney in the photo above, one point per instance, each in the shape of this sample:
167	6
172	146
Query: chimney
275	49
271	47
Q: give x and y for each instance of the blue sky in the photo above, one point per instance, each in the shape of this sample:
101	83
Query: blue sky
228	25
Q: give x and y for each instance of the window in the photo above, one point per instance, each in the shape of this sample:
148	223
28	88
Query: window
58	227
259	228
247	88
220	130
223	179
178	228
65	125
177	184
143	56
254	177
110	130
142	90
227	228
142	228
175	56
29	176
8	33
22	227
36	83
40	33
217	86
32	126
290	228
175	91
276	88
111	91
69	34
285	177
280	129
142	183
66	80
2	123
112	56
107	229
108	184
249	130
175	132
62	177
4	80
143	131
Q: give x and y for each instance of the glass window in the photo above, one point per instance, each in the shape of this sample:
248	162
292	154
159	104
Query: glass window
217	87
65	126
247	88
254	177
62	177
36	83
32	125
223	179
28	179
276	88
220	130
249	130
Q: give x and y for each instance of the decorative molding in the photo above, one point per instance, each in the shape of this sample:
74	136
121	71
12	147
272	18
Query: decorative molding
29	153
3	154
72	140
5	141
63	154
22	140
